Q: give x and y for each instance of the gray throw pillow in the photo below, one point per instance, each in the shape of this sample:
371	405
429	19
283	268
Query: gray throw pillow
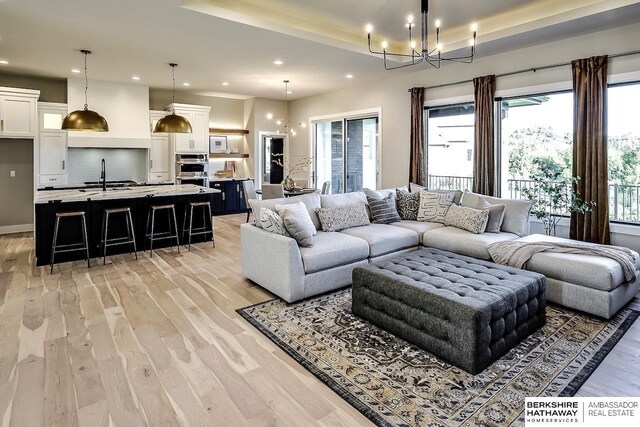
473	220
342	217
384	210
298	228
434	206
516	212
408	204
496	215
270	221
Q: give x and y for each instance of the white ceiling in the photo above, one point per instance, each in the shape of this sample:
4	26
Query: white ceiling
238	40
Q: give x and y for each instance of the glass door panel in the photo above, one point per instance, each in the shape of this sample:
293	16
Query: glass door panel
362	160
329	158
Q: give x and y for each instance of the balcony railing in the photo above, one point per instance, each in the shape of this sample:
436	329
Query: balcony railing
624	200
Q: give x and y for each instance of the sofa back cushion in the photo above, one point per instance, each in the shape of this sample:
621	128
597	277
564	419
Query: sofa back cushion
344	199
311	201
343	217
516	212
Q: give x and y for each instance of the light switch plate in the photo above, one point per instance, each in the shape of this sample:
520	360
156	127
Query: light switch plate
12	174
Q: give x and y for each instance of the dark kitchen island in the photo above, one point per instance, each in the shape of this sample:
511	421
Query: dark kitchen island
93	201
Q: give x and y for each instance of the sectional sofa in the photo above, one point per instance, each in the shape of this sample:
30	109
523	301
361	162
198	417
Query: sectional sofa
588	283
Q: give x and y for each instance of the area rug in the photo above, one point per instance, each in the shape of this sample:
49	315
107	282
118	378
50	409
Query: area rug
394	383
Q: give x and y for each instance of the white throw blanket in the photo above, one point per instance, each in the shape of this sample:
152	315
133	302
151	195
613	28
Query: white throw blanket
516	254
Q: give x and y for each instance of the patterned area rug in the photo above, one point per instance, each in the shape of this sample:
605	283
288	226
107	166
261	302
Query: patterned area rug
394	383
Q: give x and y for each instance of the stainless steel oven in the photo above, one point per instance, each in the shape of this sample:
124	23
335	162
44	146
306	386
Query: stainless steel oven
192	169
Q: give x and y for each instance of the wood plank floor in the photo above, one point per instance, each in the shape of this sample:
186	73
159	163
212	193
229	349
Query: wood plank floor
157	342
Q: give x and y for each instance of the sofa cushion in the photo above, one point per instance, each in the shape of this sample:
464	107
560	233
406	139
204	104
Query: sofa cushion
473	220
298	222
379	194
341	217
344	199
383	211
585	270
516	212
463	242
272	222
311	201
408	204
434	206
384	239
415	188
331	250
419	227
496	215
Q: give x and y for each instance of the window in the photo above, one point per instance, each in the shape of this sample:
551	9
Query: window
450	147
624	152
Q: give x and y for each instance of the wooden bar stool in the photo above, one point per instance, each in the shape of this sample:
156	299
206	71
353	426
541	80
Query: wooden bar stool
130	239
188	209
72	247
152	235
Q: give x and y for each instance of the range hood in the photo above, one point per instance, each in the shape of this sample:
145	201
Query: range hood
124	106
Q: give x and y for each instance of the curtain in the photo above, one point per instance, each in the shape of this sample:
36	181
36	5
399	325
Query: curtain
416	159
484	160
590	148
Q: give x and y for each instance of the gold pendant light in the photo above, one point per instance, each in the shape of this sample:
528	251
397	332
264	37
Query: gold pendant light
85	120
173	123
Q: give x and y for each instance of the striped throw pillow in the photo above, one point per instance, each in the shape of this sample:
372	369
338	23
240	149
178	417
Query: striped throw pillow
384	210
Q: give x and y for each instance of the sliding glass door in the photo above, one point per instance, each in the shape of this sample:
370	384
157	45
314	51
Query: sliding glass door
346	154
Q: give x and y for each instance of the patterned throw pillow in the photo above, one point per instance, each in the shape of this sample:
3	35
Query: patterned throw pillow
434	206
408	204
384	210
473	220
272	222
342	217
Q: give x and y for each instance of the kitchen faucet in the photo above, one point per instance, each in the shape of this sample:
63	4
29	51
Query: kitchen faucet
103	175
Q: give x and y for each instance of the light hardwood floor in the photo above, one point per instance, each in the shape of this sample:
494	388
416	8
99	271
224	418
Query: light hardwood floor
157	341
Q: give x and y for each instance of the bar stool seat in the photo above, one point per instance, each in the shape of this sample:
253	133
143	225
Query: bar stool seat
129	239
72	247
188	210
152	236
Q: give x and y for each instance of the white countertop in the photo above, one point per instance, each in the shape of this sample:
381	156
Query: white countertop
81	195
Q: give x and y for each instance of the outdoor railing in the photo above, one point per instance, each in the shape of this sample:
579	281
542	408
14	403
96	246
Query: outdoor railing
624	200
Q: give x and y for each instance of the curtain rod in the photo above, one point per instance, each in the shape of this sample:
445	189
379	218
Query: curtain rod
527	70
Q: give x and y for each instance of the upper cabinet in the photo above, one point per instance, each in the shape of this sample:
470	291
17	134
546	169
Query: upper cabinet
52	144
18	112
159	151
198	140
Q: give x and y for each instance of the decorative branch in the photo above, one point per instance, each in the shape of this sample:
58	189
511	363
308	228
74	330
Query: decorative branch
300	166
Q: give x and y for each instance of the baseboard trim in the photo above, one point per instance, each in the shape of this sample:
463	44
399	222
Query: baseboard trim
20	228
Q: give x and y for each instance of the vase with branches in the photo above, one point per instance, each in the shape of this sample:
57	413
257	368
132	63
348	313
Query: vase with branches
291	169
553	196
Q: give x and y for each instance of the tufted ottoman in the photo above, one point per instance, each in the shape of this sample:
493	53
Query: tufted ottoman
465	311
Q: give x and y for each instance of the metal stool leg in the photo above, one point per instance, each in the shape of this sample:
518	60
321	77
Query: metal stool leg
146	231
213	241
184	221
175	224
153	223
132	234
55	243
106	233
190	226
85	240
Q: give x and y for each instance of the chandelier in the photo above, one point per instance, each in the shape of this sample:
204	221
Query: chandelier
283	122
420	54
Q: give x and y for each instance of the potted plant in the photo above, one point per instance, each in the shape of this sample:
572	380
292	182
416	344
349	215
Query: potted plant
553	196
300	166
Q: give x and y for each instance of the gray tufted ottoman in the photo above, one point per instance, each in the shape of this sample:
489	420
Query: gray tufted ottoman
465	311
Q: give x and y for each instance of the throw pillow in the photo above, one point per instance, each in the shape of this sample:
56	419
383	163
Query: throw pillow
516	212
473	220
434	206
408	204
496	215
302	225
272	222
342	217
383	211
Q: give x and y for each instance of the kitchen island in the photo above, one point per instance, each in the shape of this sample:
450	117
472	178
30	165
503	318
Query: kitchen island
94	201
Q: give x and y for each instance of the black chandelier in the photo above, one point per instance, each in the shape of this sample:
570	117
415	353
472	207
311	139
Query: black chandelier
433	57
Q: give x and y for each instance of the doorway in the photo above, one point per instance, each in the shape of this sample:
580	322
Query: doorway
272	150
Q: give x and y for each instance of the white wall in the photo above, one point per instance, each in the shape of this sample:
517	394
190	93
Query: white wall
255	119
391	94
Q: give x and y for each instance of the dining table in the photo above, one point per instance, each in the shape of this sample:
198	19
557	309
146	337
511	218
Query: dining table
294	192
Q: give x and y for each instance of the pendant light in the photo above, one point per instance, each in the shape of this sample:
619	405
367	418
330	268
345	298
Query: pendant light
85	120
173	123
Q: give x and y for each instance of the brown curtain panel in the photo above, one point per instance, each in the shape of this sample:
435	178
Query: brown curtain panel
484	158
590	148
416	160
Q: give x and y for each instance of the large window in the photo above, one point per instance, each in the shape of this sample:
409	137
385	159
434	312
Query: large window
450	147
624	152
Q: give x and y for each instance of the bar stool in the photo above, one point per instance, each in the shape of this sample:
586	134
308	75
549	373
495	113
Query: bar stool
130	239
72	247
206	208
152	236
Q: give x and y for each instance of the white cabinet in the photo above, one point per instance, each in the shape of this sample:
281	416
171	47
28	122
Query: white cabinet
198	140
160	155
18	113
52	144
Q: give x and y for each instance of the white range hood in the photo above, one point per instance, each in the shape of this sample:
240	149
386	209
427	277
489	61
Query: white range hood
124	106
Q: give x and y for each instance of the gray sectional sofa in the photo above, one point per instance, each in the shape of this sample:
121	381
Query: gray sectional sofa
587	283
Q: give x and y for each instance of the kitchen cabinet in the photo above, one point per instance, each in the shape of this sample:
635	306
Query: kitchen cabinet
18	109
51	144
159	152
233	200
198	140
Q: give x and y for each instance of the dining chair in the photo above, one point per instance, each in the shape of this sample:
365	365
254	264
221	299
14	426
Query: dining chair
326	187
249	189
272	191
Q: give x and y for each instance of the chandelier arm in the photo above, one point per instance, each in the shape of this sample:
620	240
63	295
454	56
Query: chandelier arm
435	63
388	68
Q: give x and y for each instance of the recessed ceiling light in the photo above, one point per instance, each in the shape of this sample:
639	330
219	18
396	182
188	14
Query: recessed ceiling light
349	76
135	77
4	62
278	62
75	71
289	92
186	84
225	83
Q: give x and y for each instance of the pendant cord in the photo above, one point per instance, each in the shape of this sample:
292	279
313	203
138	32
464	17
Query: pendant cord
173	89
86	82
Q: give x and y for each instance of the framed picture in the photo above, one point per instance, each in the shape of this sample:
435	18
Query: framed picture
217	144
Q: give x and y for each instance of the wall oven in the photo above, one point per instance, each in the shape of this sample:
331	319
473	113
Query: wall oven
192	169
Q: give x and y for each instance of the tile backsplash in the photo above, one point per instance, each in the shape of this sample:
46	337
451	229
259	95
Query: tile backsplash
122	164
